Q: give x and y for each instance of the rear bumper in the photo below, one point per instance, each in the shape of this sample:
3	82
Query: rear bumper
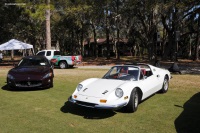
97	106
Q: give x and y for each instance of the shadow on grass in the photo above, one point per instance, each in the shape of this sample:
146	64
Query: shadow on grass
87	113
57	67
189	120
5	87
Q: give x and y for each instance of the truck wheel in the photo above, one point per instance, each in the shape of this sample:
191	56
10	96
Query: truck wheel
63	65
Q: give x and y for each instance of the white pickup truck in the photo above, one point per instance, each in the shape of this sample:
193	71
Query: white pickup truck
62	61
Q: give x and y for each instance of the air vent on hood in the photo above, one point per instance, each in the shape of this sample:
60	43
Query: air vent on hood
105	92
85	89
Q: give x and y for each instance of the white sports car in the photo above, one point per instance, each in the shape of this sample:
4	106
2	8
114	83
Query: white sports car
121	86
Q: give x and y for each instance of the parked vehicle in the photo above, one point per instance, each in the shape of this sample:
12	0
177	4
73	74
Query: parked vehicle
61	61
49	54
122	86
66	61
31	72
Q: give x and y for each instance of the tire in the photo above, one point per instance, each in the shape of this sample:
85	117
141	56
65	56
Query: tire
134	101
63	65
51	85
165	85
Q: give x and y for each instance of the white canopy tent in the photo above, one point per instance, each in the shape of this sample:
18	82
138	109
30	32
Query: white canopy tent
14	44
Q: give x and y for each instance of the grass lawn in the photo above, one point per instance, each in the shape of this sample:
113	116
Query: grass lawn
45	111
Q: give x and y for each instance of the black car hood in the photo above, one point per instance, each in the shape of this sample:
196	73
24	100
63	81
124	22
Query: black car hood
30	71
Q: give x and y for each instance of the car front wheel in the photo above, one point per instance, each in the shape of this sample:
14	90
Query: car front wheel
165	85
134	101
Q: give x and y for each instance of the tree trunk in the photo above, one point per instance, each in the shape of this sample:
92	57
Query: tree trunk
107	35
12	54
95	42
197	42
108	44
197	47
197	52
81	42
150	51
190	48
48	29
72	42
168	50
117	44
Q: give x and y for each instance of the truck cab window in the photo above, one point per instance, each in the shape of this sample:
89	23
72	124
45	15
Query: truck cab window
48	53
41	53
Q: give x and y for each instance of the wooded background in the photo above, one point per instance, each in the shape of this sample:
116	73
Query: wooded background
170	26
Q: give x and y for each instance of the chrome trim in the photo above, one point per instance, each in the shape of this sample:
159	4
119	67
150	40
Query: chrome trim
113	107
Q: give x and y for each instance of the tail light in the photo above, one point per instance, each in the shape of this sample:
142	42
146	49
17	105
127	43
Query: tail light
73	58
54	60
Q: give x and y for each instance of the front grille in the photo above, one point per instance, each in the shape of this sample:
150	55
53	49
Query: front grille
86	104
28	83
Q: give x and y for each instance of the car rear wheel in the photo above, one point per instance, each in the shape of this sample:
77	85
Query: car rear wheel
134	101
165	85
63	65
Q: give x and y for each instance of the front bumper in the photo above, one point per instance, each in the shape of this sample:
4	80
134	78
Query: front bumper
97	106
48	82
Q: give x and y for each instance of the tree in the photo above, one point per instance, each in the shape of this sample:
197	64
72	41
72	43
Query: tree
143	20
73	22
39	13
48	25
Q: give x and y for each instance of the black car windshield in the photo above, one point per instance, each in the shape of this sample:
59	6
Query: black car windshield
33	62
123	73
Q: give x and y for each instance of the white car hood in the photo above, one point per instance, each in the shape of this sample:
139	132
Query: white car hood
100	87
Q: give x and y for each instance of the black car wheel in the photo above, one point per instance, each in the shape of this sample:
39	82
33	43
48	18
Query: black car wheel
134	101
63	65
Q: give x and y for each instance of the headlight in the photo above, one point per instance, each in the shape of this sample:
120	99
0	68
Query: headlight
47	75
79	87
10	76
119	92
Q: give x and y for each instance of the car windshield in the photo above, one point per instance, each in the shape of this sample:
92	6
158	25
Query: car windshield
33	62
123	73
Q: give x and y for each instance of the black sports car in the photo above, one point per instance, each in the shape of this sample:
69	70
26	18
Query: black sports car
31	72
